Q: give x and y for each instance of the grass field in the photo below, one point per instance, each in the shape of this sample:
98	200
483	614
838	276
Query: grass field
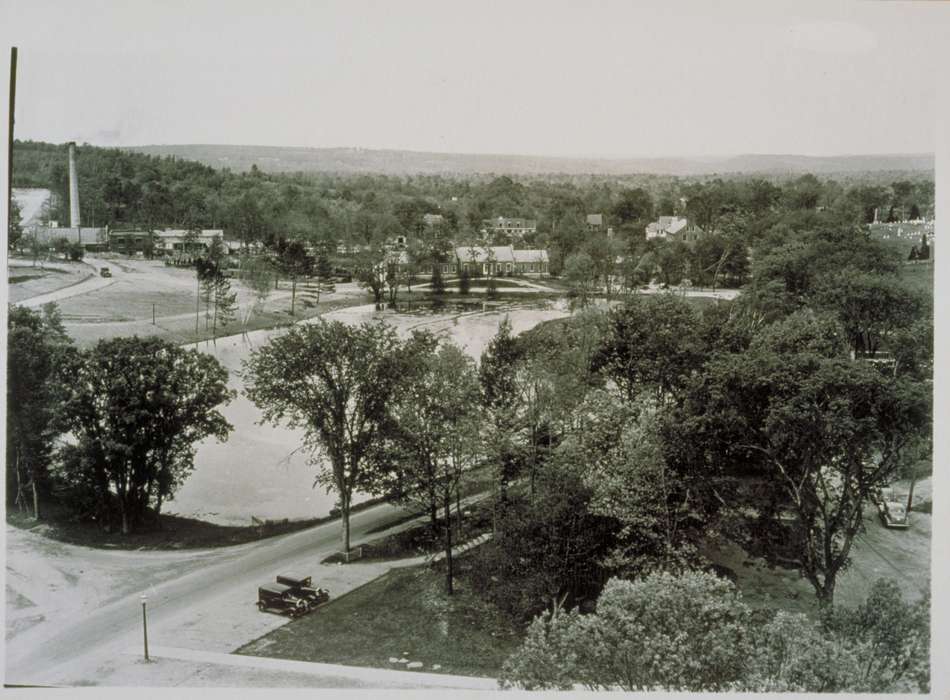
405	614
919	277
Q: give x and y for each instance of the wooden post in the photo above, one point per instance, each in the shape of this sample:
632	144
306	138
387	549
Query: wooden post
13	52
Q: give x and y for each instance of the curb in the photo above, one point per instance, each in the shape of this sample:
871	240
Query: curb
399	679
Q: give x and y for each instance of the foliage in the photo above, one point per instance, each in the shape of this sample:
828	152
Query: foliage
136	407
546	547
663	632
891	637
617	452
257	275
336	383
36	344
651	344
824	430
434	438
580	273
14	228
692	632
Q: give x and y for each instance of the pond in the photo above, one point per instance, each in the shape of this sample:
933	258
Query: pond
261	470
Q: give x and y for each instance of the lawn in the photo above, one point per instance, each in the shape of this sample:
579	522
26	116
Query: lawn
919	277
405	614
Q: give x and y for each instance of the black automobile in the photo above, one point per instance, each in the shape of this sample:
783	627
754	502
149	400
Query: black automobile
281	599
301	586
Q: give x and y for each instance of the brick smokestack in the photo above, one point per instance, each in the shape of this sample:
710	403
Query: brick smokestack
73	188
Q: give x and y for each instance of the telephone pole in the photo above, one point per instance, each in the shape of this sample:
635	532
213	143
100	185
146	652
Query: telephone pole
10	129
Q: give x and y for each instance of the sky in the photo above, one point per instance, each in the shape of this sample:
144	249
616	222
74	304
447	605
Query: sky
556	78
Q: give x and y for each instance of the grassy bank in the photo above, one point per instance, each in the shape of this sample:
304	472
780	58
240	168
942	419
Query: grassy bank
168	532
405	614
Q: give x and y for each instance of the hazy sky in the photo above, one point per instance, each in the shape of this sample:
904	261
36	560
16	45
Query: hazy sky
547	78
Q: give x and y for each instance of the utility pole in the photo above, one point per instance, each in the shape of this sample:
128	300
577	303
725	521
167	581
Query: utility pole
10	129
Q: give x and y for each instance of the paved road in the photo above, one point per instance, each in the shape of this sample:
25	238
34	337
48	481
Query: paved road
74	648
87	285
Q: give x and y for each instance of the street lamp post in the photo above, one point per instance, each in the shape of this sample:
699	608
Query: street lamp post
145	625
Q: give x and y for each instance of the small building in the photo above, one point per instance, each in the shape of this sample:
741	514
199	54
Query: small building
502	261
175	241
595	223
673	228
512	227
90	238
432	220
130	242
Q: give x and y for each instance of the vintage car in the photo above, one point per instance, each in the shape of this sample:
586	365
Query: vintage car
105	272
301	586
892	508
281	599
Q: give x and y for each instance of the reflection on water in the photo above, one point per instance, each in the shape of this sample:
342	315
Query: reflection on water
261	470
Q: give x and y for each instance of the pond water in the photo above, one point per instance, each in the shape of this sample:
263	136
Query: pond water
261	470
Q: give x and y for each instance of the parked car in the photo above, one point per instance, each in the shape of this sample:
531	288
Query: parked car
892	509
301	586
105	272
281	599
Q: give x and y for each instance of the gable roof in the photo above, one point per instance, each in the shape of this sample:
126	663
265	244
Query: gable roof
480	254
530	256
595	219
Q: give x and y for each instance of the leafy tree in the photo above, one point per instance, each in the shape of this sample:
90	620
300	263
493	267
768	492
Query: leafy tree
634	205
617	450
75	252
335	382
256	274
891	636
651	344
663	632
136	407
14	228
692	632
465	282
293	261
870	306
437	283
581	275
371	274
547	549
824	430
436	430
36	343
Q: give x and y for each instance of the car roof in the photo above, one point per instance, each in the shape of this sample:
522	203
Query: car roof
298	578
275	588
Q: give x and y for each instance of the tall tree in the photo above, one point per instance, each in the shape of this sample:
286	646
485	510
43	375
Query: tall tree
36	343
437	420
137	407
293	261
336	382
825	431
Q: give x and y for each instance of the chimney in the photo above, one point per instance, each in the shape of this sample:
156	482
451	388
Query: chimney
73	188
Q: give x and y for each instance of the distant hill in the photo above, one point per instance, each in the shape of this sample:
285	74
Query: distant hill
360	160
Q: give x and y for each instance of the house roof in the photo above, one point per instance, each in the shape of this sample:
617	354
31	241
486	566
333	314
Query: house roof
595	219
667	225
480	254
180	233
86	234
530	256
432	219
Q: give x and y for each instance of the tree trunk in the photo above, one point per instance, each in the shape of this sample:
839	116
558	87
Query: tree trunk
434	514
345	519
910	494
36	500
826	594
448	543
458	509
293	294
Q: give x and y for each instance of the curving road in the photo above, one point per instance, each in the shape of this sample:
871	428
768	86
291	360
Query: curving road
210	606
89	284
